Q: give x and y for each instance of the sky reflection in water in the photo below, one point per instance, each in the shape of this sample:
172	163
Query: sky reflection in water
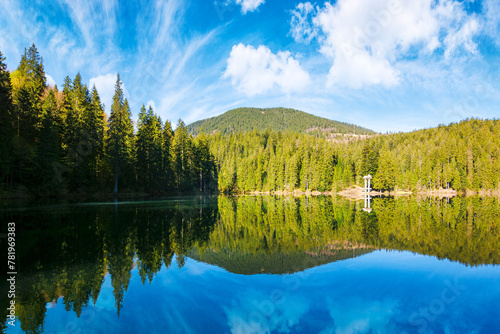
260	265
381	292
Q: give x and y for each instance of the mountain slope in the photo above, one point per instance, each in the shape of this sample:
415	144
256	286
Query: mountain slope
275	263
278	119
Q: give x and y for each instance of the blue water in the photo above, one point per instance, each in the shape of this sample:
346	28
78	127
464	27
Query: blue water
381	292
257	265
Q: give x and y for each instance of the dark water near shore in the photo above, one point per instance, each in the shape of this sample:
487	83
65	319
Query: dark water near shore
256	265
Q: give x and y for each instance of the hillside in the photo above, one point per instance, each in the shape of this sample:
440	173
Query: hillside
278	119
275	263
462	156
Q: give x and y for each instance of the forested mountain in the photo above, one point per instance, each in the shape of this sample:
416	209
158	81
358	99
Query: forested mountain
275	263
277	119
60	142
463	156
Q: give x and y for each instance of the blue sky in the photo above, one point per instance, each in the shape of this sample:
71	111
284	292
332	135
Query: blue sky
389	65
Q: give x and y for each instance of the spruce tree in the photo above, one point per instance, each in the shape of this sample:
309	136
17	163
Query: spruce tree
149	147
182	156
120	140
6	125
168	178
95	126
49	150
30	83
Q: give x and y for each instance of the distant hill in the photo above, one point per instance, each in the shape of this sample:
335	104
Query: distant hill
276	263
278	119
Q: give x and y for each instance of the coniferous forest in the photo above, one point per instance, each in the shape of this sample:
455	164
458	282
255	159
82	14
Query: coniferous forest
463	156
61	141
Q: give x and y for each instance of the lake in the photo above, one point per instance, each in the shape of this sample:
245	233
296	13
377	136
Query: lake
257	265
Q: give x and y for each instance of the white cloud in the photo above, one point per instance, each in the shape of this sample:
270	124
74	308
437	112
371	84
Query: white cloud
249	5
462	37
93	19
491	10
105	85
302	29
256	71
50	81
366	41
361	316
151	104
253	312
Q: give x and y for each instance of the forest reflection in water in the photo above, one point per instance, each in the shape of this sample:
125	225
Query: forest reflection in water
65	252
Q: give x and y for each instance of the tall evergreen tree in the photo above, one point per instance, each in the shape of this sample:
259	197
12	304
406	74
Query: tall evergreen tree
6	125
168	179
78	141
49	150
385	178
120	139
94	124
30	83
182	156
28	86
149	148
204	164
369	163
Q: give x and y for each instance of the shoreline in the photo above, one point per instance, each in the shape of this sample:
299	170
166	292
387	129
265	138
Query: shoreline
354	192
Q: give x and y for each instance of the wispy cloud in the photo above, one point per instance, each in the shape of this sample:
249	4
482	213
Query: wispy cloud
96	21
381	62
253	312
302	29
491	10
166	59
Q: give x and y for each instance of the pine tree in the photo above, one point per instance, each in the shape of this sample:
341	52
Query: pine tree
6	125
203	163
149	150
49	150
79	146
30	83
168	178
120	140
182	149
369	163
95	126
385	179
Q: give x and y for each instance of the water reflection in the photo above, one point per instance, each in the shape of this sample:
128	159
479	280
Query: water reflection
67	254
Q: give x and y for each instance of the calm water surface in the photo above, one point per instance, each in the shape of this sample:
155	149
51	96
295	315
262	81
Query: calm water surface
257	265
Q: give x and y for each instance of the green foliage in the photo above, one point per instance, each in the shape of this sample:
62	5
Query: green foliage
277	119
386	175
248	152
453	156
245	235
120	140
6	125
167	165
369	156
183	157
149	147
29	85
49	150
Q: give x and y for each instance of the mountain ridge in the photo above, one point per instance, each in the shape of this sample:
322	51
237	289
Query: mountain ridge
277	119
